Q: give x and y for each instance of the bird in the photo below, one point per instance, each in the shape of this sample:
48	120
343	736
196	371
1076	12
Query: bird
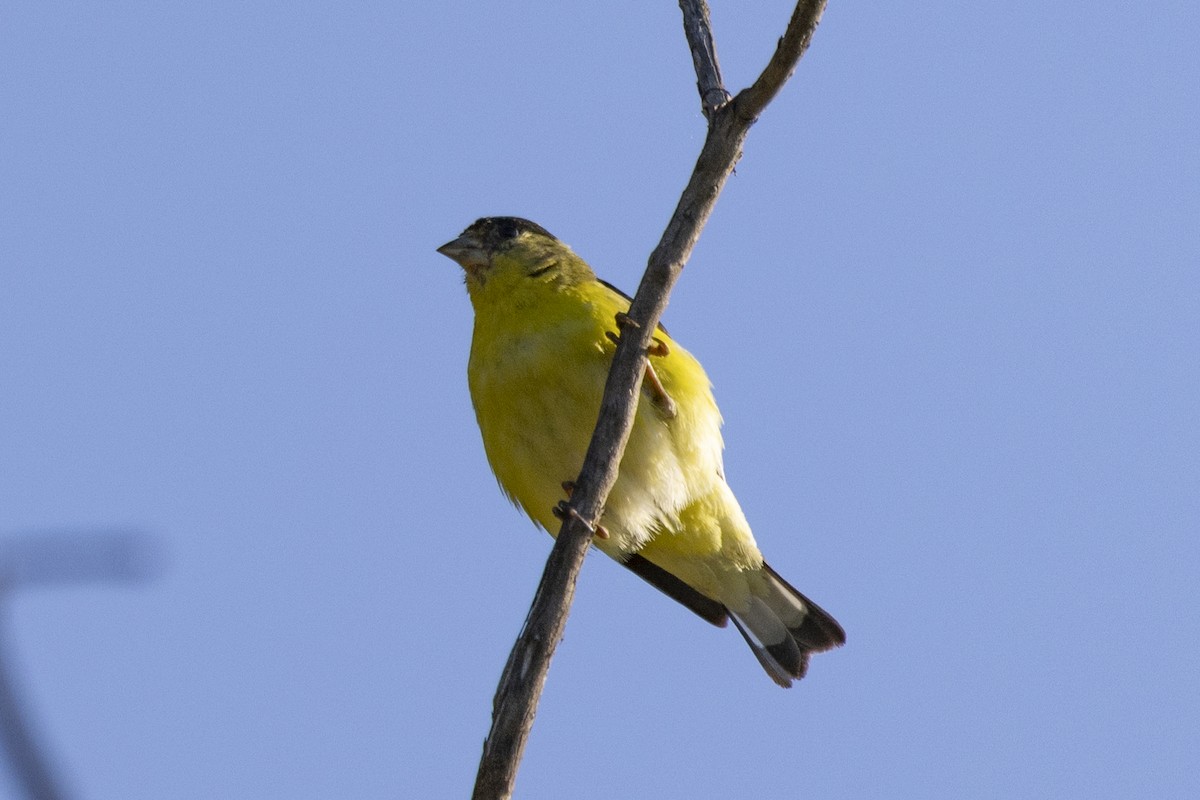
545	330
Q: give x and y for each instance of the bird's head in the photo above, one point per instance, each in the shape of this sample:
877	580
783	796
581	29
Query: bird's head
504	254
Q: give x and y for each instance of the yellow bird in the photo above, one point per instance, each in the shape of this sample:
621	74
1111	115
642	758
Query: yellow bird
541	350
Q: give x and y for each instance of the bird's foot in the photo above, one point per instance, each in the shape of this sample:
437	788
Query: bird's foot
653	386
565	510
657	346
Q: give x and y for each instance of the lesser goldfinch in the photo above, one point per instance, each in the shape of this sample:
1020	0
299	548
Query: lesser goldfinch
540	353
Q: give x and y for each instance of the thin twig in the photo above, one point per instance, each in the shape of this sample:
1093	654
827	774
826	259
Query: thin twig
515	702
697	27
795	40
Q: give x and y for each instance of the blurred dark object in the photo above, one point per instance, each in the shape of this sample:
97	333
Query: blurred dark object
78	556
49	558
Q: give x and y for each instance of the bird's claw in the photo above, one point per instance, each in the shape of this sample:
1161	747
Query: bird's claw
653	386
565	510
658	348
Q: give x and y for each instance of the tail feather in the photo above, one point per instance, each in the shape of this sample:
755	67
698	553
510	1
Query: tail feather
812	626
783	660
783	627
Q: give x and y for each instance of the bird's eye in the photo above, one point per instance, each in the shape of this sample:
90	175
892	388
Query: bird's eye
507	229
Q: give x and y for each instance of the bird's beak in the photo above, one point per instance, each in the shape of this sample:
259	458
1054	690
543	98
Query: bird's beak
466	251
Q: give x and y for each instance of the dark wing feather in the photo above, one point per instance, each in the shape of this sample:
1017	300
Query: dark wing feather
708	609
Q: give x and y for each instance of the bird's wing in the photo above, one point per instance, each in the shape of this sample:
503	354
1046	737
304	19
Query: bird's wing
708	609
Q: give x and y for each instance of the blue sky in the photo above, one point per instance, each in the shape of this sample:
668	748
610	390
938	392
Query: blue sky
950	304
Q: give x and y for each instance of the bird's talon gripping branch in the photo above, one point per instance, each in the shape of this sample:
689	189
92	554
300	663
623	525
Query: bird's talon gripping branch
658	348
626	321
658	395
565	510
569	487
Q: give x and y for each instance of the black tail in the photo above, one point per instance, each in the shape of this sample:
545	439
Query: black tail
783	628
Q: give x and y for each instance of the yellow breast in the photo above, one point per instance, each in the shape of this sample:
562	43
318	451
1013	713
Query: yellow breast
537	371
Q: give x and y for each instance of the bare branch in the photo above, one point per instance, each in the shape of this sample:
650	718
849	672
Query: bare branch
795	41
515	702
697	27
